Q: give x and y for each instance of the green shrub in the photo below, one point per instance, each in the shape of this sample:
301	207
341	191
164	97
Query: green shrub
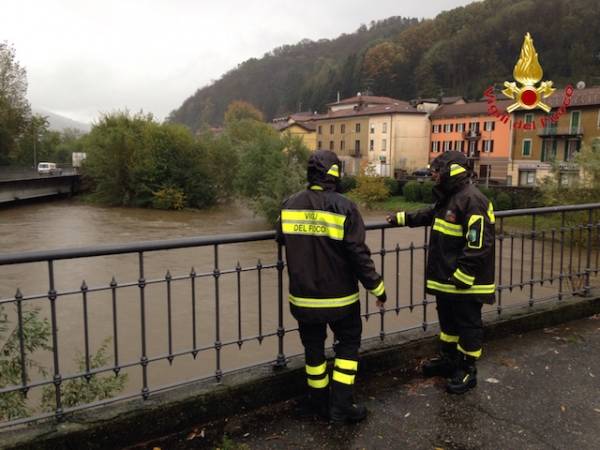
392	185
412	191
370	190
489	193
168	197
347	183
502	202
426	189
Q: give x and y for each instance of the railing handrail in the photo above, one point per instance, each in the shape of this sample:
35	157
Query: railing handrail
202	241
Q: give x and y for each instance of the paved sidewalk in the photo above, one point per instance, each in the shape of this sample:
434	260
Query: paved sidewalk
539	390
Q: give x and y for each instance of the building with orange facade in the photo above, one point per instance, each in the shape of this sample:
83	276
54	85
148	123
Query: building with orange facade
542	141
469	128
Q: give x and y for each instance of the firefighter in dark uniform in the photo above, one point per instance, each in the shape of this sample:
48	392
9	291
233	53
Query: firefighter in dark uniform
460	267
324	237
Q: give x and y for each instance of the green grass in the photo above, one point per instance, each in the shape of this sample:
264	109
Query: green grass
392	204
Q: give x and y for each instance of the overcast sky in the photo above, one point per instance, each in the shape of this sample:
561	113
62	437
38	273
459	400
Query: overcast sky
87	57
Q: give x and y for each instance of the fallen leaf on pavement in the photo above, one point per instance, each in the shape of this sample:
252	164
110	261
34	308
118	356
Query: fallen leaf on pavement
563	408
492	380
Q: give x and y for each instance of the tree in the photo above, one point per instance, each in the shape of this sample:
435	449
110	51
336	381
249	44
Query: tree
14	107
36	336
239	110
583	186
135	161
36	333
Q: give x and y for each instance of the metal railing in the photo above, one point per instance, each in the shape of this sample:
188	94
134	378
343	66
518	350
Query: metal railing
553	255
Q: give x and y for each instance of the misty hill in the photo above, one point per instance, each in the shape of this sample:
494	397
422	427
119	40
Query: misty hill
59	123
460	52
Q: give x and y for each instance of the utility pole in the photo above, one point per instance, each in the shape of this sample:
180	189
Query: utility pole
34	147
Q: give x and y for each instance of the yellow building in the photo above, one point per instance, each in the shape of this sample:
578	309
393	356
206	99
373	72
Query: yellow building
383	133
305	131
539	139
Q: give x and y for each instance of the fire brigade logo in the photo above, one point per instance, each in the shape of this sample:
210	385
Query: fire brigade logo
528	72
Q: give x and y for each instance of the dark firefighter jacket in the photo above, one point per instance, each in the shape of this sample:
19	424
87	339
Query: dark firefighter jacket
461	254
324	237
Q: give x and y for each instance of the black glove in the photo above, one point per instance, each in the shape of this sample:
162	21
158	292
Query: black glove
396	219
382	298
459	284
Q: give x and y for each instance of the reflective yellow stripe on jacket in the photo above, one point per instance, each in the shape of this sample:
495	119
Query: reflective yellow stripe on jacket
313	223
448	228
451	289
323	302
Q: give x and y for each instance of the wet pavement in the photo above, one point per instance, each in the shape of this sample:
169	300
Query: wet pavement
539	390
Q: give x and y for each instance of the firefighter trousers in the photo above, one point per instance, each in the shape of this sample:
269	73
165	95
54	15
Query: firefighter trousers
347	332
460	323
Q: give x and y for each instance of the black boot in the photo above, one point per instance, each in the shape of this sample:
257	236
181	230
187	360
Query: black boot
315	403
464	377
444	365
343	409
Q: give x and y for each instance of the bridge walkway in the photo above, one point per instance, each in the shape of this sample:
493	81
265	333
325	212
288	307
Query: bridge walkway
539	390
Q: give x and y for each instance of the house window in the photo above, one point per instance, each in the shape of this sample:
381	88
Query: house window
357	128
383	145
458	146
448	128
575	122
435	146
357	146
526	177
320	129
549	150
435	129
488	146
331	129
489	125
526	149
460	127
331	145
343	128
372	129
371	145
528	118
342	145
474	126
571	148
447	145
472	148
319	145
384	127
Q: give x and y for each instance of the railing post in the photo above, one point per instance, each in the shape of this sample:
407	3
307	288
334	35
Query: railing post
588	258
19	300
57	379
144	356
501	241
532	273
280	361
382	311
218	344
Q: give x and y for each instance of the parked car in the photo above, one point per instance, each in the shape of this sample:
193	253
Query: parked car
424	172
48	168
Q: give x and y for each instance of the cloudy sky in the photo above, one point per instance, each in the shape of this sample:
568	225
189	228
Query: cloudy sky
87	57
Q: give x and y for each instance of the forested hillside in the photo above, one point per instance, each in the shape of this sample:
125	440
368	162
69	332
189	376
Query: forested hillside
460	52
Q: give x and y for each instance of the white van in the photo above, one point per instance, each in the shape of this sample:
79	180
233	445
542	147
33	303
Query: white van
48	168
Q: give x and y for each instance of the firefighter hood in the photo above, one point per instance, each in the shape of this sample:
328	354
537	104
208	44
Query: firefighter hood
454	171
324	170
